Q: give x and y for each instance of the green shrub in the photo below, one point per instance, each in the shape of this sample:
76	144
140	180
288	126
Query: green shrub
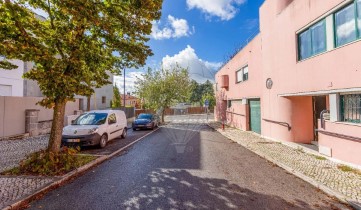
51	164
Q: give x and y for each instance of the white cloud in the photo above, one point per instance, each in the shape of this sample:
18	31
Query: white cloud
224	9
130	79
175	28
199	69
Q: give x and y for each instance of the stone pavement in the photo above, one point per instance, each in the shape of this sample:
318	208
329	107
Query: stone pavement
317	168
13	151
14	188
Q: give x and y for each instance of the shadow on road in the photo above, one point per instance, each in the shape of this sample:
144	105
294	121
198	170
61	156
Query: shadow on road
178	189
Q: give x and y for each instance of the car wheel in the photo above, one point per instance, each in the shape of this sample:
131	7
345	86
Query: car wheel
103	141
124	134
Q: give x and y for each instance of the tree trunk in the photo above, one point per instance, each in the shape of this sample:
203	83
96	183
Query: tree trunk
88	103
57	127
163	113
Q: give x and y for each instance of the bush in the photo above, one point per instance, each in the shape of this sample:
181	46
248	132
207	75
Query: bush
51	164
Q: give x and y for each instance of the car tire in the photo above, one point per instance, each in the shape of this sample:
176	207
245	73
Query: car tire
103	141
124	134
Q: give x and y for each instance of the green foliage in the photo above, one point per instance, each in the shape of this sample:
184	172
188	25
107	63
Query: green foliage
79	42
161	88
76	46
116	103
51	164
201	92
211	98
345	168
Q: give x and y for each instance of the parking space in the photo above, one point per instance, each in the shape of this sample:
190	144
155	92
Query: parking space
115	144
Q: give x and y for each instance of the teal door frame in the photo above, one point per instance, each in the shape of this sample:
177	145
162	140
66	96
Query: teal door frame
255	115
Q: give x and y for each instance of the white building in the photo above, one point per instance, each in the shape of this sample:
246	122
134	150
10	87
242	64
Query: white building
11	81
13	84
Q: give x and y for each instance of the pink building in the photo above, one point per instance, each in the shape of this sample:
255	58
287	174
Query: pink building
303	66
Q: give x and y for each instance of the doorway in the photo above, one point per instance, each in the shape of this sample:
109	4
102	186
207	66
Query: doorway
319	104
255	115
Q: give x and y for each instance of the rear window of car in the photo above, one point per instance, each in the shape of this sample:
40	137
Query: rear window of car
145	116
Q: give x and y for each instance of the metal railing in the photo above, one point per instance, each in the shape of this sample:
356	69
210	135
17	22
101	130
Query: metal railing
342	136
279	123
236	113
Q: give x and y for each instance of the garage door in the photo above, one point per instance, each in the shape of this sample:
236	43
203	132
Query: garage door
5	90
255	115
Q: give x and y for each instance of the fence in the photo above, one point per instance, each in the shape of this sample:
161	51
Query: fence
129	111
13	110
139	111
185	111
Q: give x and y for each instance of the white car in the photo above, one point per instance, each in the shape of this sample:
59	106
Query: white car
95	128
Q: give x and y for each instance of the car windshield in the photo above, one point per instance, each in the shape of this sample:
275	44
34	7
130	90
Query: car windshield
145	116
91	119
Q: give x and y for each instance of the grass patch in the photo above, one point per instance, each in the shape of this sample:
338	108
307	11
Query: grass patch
345	168
319	157
50	164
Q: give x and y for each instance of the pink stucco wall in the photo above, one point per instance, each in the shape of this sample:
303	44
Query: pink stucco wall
346	150
273	54
324	72
250	55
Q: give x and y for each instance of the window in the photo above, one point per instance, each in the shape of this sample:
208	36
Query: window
104	99
345	25
242	74
112	119
318	37
239	77
229	103
351	108
91	119
245	73
359	17
312	41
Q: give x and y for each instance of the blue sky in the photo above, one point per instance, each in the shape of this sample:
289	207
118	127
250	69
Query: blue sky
198	34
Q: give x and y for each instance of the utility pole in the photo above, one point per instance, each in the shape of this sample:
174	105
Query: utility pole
124	89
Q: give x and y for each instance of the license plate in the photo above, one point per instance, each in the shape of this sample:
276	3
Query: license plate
73	140
140	125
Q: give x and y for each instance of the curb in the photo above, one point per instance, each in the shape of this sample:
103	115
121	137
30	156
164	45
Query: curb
71	175
355	204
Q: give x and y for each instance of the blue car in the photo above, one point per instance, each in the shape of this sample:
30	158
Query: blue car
146	121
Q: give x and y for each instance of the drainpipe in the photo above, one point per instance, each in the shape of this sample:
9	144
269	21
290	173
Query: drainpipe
322	118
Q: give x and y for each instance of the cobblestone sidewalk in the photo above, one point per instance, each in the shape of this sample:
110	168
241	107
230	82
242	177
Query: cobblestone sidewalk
14	188
13	151
317	168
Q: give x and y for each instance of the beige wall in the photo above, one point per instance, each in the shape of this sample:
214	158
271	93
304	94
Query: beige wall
12	113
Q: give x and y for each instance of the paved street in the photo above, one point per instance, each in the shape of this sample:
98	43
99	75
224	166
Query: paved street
187	165
14	188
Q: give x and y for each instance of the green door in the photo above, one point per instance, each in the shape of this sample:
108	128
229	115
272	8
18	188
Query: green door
255	115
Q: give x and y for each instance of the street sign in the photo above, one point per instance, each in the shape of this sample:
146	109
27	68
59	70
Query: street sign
206	103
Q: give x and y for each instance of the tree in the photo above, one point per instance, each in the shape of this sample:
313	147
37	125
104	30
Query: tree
76	46
161	88
116	98
201	91
211	99
196	93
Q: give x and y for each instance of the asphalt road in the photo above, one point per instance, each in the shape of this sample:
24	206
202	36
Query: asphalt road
187	166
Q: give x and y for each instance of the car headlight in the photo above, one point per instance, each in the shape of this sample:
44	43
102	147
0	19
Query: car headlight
93	130
149	124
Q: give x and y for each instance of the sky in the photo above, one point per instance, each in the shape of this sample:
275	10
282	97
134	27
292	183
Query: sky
198	35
